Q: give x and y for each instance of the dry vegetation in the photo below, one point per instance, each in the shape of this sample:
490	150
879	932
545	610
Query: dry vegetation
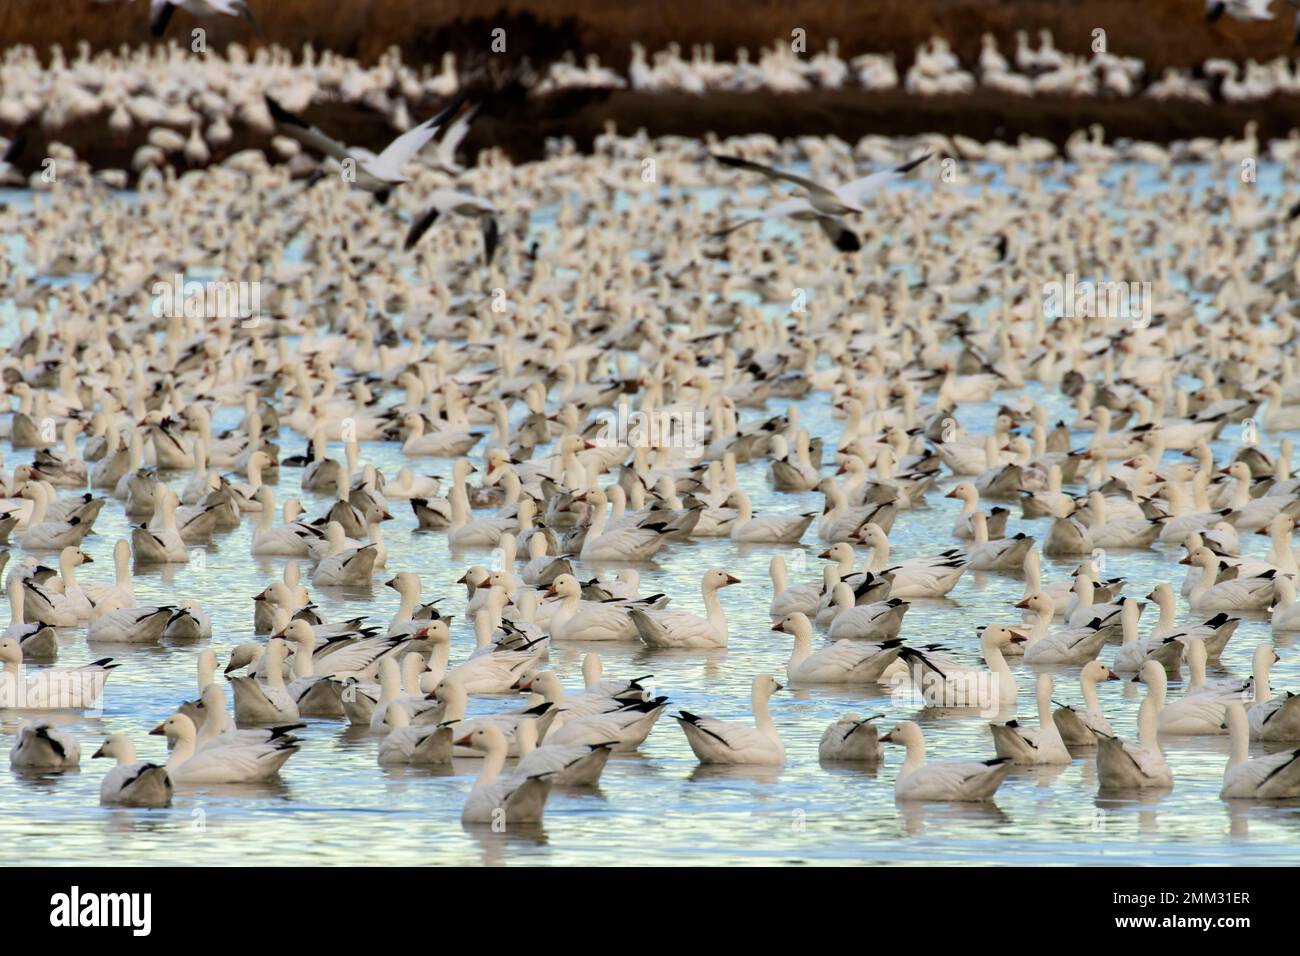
1163	32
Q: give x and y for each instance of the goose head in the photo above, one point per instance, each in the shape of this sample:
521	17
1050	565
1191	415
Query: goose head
907	733
118	747
1094	672
177	727
488	739
717	578
798	624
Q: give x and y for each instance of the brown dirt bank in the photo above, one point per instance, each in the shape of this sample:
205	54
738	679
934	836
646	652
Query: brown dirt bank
1163	32
520	126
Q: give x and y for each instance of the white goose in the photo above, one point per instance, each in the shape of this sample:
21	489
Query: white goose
567	765
61	688
720	742
916	577
1081	727
237	763
877	621
579	620
785	599
43	746
851	739
1140	765
131	782
844	662
1071	644
1271	718
423	746
501	800
343	566
1268	777
1232	594
765	529
265	701
682	629
942	780
1041	745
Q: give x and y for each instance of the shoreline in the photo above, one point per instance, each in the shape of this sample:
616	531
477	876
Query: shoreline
520	126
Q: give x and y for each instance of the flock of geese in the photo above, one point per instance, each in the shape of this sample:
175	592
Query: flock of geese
191	104
897	357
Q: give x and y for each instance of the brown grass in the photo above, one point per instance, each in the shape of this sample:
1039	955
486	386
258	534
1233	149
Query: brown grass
1162	32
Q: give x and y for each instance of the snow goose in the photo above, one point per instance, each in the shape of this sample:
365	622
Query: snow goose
219	730
968	494
627	727
567	765
422	746
942	780
497	800
1072	644
1215	632
122	590
38	640
1286	612
129	625
682	629
1117	534
47	534
342	566
1002	554
1080	727
265	701
1269	777
131	782
271	539
634	543
720	742
376	174
851	739
189	622
1140	765
1134	652
786	600
1033	745
1200	710
578	620
61	688
464	532
42	746
942	684
236	763
765	529
916	577
1231	594
844	662
1271	718
879	620
825	205
161	544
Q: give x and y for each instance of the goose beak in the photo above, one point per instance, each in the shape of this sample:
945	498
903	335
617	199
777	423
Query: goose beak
391	584
87	559
1186	560
1017	637
1111	675
464	741
887	738
779	686
732	579
159	731
279	633
825	555
551	592
779	626
98	753
463	578
1023	603
951	494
